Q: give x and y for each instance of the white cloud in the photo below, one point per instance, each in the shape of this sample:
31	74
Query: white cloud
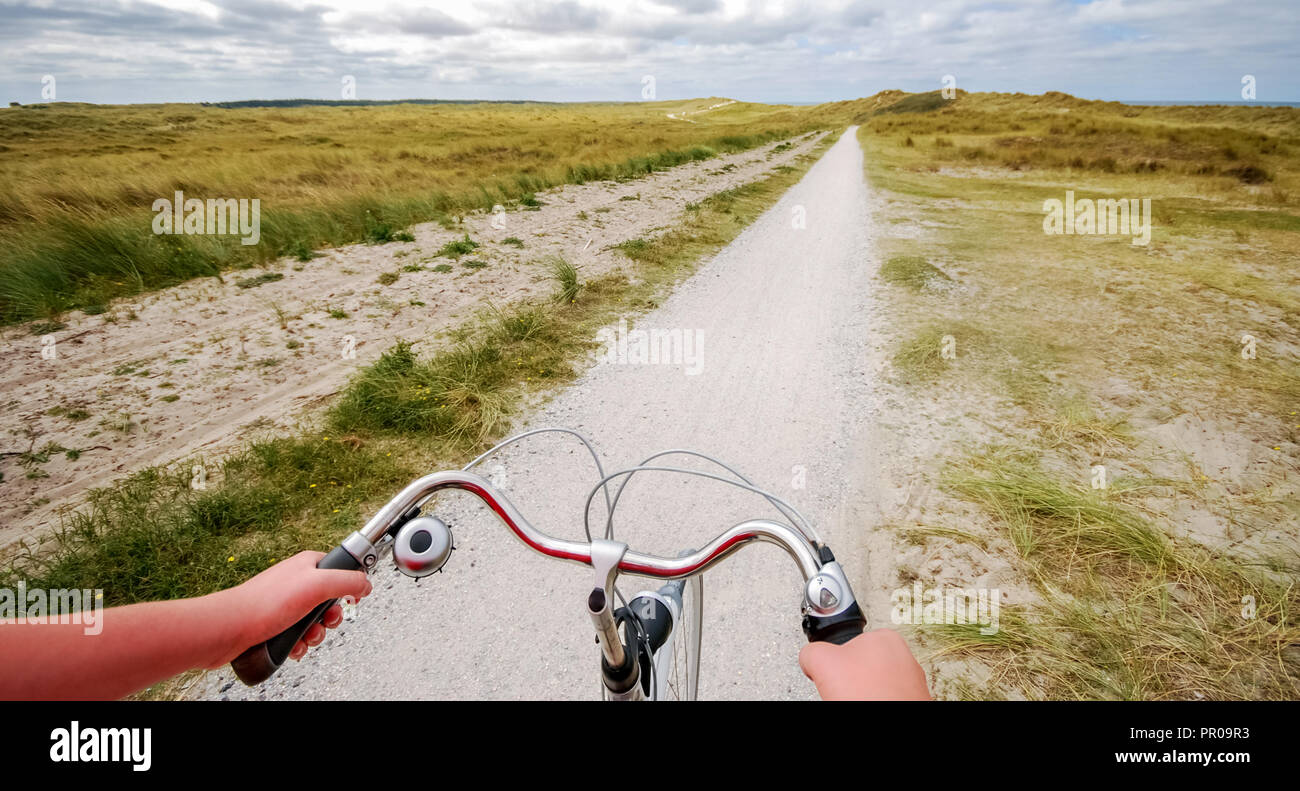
775	50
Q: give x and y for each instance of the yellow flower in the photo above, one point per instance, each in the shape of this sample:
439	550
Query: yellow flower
313	486
230	559
336	510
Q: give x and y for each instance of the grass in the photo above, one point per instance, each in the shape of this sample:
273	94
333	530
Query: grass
78	181
922	355
916	103
1071	353
454	396
383	231
1125	611
911	271
153	536
120	422
1049	520
73	414
458	247
636	249
567	279
45	327
257	280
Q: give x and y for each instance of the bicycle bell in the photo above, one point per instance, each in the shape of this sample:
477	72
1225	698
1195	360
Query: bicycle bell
422	546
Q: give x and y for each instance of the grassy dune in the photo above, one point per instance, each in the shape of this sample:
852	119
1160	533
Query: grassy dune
1177	579
77	181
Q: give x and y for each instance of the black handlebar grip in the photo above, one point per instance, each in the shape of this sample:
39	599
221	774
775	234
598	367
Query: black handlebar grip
837	629
260	662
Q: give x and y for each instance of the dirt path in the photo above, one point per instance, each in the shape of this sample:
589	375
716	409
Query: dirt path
785	392
189	371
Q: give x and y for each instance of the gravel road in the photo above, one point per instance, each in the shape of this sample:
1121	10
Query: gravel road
783	391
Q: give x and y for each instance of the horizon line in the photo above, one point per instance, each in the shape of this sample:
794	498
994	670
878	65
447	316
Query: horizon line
788	103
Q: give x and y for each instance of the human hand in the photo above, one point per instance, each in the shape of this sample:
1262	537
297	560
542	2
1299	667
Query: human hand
877	665
278	597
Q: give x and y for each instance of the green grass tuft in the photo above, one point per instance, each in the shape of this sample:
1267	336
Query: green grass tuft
257	280
911	271
566	277
458	247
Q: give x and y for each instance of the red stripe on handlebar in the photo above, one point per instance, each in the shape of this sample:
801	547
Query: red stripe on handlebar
500	512
637	568
625	565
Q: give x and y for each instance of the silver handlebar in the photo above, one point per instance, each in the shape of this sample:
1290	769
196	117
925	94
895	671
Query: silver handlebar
363	542
422	544
826	590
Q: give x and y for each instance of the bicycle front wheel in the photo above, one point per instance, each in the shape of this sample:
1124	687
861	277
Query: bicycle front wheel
683	675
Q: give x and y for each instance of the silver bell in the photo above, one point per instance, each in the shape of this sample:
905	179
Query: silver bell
422	546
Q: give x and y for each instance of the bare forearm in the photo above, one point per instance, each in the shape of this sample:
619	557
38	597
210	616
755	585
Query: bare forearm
143	644
139	645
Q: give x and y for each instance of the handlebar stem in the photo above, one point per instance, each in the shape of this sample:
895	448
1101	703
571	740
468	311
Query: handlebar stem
606	555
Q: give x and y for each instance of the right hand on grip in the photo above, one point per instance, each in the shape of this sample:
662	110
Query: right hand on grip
877	665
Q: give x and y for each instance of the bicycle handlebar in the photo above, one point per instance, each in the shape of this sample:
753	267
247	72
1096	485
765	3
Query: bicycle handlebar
830	611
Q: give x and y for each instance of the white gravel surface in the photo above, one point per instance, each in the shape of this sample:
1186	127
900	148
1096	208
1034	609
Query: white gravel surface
788	381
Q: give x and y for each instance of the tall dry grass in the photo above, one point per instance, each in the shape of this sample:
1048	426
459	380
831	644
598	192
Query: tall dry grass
77	182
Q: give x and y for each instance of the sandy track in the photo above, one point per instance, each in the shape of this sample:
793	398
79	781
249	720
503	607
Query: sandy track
682	115
223	351
788	381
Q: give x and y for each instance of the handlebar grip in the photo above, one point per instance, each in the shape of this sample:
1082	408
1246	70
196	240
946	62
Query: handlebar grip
837	629
260	662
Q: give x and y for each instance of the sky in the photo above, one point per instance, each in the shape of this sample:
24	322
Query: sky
123	51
